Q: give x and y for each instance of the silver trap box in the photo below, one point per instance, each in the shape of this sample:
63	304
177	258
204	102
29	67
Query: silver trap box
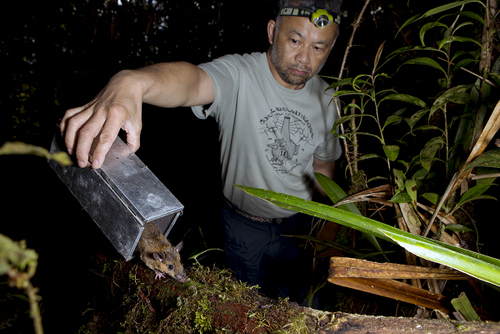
121	196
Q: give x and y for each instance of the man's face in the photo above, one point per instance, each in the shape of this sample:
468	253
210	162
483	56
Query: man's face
298	50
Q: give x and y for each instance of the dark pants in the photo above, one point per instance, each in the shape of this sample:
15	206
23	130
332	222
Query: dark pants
259	253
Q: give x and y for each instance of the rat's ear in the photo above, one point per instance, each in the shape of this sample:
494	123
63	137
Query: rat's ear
159	256
179	247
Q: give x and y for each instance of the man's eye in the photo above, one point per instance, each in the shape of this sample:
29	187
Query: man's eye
294	41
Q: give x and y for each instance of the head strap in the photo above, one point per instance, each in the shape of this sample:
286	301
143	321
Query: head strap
319	15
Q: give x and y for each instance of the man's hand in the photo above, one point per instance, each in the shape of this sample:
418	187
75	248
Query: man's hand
118	106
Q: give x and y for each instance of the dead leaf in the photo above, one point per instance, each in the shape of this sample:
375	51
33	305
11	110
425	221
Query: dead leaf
342	267
379	279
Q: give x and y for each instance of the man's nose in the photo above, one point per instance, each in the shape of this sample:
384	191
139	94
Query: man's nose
303	57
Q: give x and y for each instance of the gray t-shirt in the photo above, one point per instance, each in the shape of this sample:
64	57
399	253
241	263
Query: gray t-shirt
269	134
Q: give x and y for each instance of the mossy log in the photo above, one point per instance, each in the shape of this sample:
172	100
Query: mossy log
211	301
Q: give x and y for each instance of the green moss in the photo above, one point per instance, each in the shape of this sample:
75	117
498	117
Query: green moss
210	301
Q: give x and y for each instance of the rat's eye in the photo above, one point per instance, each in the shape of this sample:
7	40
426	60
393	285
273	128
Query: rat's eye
171	267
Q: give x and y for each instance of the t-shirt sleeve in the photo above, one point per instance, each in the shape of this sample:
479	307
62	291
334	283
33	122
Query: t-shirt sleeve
224	75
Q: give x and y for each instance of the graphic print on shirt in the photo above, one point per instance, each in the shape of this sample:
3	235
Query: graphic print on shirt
288	133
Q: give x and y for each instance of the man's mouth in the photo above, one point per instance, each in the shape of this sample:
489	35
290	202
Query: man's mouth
298	72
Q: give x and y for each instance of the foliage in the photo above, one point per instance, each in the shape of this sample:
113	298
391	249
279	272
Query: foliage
425	143
16	261
10	148
19	264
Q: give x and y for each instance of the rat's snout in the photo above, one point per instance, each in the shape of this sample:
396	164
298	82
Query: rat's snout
180	277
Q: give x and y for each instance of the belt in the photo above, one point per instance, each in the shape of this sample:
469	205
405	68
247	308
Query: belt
255	218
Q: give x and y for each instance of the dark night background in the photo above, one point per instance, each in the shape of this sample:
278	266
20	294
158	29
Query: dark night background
55	55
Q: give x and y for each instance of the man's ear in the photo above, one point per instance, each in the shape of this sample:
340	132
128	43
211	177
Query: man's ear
271	30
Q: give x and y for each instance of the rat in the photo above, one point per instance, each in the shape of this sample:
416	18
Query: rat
158	254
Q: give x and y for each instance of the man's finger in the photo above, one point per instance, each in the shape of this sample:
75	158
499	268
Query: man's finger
113	124
85	139
69	127
134	140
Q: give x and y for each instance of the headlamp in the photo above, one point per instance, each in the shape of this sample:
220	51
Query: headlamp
321	17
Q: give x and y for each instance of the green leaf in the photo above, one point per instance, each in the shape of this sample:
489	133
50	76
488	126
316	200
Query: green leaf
348	92
392	119
367	156
474	264
482	171
463	305
471	15
429	151
414	48
401	198
420	160
486	159
391	151
420	174
410	21
399	178
411	189
463	63
473	193
461	25
456	95
336	193
347	118
367	134
458	228
428	128
432	197
451	39
495	77
417	116
340	83
448	6
437	10
352	105
405	98
426	61
429	26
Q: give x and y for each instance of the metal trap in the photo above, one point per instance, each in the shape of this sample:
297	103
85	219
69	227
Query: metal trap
121	196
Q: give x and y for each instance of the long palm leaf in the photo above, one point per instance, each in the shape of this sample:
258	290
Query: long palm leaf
473	264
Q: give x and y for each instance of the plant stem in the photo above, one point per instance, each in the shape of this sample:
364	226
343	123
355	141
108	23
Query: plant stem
354	140
349	46
447	161
34	309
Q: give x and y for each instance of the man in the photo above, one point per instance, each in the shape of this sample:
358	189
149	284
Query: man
274	119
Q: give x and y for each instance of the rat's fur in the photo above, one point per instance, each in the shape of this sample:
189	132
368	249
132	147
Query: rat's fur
159	255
